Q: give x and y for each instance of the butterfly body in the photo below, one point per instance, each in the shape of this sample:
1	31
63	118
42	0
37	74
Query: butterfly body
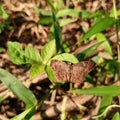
74	73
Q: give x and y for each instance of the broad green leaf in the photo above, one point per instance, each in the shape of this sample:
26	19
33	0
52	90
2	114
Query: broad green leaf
99	26
17	88
48	51
100	91
66	57
27	113
106	101
105	43
116	116
32	56
73	12
16	53
18	56
36	69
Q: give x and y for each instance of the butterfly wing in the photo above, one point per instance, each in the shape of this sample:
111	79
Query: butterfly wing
79	71
60	70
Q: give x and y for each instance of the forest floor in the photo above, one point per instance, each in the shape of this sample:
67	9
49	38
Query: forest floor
24	28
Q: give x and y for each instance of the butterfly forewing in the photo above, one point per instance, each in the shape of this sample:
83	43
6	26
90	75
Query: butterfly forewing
80	70
60	70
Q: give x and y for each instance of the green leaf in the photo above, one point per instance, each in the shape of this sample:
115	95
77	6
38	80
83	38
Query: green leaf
105	43
73	12
18	88
116	116
89	51
59	4
3	13
46	21
32	56
51	5
26	114
57	33
16	53
18	56
106	101
100	91
66	57
36	69
64	22
99	26
48	51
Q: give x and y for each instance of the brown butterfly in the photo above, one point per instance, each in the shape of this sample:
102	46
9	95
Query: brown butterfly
74	73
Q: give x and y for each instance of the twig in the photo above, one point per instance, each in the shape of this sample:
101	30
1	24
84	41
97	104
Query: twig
70	105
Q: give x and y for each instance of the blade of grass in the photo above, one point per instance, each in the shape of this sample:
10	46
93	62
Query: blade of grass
99	26
18	88
57	29
73	12
57	33
99	91
26	115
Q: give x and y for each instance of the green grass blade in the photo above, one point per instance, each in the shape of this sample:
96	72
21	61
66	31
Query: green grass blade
57	33
18	88
51	5
101	37
100	91
73	12
26	115
99	26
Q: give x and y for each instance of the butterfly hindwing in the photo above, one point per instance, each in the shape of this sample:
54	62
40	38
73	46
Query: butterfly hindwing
80	70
